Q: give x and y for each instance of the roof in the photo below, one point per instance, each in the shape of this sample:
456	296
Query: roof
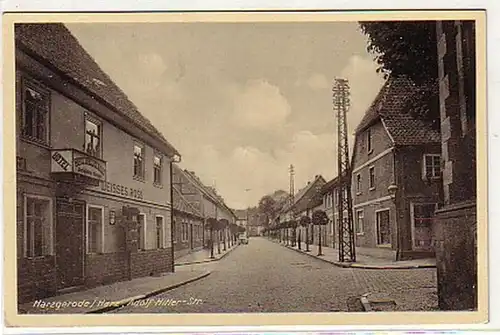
210	191
302	192
181	204
241	214
330	185
390	107
55	44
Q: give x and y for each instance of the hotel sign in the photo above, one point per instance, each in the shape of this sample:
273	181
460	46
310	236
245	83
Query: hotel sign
73	161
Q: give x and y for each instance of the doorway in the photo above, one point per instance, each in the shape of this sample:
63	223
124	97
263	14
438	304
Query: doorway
383	227
69	242
191	236
422	218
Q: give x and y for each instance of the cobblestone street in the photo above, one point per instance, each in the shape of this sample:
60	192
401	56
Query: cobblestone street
266	277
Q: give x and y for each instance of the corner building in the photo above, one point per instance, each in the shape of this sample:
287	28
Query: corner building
93	174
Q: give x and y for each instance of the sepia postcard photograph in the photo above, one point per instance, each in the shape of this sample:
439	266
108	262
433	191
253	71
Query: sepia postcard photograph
259	168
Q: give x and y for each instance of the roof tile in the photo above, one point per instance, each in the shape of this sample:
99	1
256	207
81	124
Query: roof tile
389	105
55	43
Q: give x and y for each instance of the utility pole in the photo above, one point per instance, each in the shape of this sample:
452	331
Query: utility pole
347	252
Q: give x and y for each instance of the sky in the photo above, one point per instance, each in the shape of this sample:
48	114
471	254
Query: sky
240	101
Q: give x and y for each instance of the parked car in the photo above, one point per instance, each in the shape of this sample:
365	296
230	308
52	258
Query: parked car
243	238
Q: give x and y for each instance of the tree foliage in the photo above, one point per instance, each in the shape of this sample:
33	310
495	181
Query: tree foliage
319	217
408	48
271	204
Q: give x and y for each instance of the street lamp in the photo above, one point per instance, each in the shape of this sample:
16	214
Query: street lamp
393	192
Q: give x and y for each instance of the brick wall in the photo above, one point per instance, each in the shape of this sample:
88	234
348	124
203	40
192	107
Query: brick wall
102	269
36	278
456	257
151	262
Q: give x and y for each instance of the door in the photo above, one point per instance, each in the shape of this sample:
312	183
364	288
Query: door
69	242
383	228
191	235
423	216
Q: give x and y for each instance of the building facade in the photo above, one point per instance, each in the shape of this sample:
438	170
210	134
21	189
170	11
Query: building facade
93	175
330	197
207	202
304	203
456	246
189	218
187	226
396	176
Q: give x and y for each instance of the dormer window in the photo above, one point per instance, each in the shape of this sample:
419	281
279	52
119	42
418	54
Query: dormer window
369	140
36	106
138	161
92	144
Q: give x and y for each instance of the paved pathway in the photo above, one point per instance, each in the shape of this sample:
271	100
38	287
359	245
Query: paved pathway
365	258
203	256
263	276
104	297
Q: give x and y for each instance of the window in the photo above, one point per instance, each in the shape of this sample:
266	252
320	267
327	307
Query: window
185	232
92	144
372	177
139	161
369	140
36	106
38	225
94	229
174	229
431	167
358	183
157	169
141	236
159	232
359	221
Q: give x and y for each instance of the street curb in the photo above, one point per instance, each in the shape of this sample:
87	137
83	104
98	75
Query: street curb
366	304
363	266
206	260
126	301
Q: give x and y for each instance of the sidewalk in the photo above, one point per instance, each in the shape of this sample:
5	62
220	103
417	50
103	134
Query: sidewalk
364	259
203	256
106	298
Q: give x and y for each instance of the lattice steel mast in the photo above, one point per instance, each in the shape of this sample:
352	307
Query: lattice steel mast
347	252
292	187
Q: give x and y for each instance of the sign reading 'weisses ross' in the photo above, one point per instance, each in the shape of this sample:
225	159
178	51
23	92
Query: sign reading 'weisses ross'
79	163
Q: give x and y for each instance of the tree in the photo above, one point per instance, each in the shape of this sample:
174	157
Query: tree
305	221
319	218
408	48
212	225
270	205
267	207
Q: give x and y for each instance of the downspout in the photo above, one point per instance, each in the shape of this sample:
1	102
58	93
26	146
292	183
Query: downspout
172	161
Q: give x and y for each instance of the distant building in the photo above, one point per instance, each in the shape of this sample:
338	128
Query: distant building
241	217
188	220
395	151
305	202
206	200
93	174
330	196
